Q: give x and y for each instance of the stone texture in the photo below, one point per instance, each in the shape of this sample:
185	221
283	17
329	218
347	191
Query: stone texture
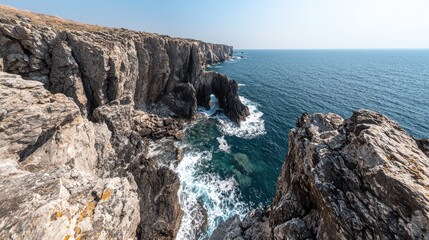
358	178
75	160
160	211
101	65
226	91
49	165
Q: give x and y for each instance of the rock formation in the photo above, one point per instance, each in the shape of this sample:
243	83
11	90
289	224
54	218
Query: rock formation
79	108
50	170
81	104
96	65
358	178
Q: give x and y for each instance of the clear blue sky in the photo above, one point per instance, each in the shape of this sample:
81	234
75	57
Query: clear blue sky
260	24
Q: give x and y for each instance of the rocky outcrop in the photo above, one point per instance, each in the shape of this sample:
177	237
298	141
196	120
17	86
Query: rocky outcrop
51	169
91	179
226	92
358	178
157	186
74	143
99	65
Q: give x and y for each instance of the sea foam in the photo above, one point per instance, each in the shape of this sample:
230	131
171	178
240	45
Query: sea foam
205	198
223	144
251	128
214	107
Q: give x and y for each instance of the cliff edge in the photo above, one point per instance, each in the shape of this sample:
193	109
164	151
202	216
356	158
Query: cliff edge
96	65
357	178
79	107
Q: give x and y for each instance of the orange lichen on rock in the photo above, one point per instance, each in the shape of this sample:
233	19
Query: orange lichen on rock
106	194
77	230
67	237
80	236
88	210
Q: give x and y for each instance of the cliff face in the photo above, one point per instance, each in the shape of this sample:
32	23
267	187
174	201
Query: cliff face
50	170
79	167
358	178
97	66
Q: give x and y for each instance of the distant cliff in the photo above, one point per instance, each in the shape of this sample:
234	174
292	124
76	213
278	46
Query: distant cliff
357	178
78	167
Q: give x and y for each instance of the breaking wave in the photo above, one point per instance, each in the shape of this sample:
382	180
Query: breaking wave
251	128
223	144
205	198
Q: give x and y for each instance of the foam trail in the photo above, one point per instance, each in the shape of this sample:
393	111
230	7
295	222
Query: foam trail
205	198
251	128
223	144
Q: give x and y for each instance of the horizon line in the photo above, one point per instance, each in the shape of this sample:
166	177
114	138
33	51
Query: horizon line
399	48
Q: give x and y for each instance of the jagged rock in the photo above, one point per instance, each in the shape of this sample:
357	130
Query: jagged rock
359	178
98	65
225	91
160	210
50	156
65	76
112	75
228	229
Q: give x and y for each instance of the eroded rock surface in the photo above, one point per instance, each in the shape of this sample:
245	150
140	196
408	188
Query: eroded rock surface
358	178
97	65
50	170
75	134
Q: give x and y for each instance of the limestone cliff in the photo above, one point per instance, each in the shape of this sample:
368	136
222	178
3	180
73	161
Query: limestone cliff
96	65
50	170
74	143
358	178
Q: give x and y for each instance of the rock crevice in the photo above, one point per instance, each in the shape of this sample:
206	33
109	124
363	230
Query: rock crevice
358	178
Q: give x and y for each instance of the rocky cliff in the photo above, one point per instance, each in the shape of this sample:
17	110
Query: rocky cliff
96	65
358	178
79	107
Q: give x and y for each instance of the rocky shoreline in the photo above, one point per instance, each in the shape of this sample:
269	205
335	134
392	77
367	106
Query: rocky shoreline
79	107
81	104
357	178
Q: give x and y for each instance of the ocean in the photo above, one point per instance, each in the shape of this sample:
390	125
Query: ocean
228	169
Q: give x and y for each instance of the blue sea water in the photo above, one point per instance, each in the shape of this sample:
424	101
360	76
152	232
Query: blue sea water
228	169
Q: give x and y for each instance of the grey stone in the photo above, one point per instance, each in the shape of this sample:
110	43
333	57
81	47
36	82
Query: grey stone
359	178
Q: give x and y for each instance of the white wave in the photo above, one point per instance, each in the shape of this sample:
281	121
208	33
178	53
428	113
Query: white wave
241	85
204	197
223	144
251	128
214	107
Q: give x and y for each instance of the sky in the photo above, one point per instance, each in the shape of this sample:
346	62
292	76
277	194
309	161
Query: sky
258	24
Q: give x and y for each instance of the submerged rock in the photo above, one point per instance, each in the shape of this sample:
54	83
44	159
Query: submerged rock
358	178
243	162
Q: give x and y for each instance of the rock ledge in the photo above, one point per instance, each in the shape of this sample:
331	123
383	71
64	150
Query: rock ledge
358	178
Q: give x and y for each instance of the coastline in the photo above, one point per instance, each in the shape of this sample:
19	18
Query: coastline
102	136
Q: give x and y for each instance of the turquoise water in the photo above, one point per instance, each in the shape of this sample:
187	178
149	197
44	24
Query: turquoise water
235	168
